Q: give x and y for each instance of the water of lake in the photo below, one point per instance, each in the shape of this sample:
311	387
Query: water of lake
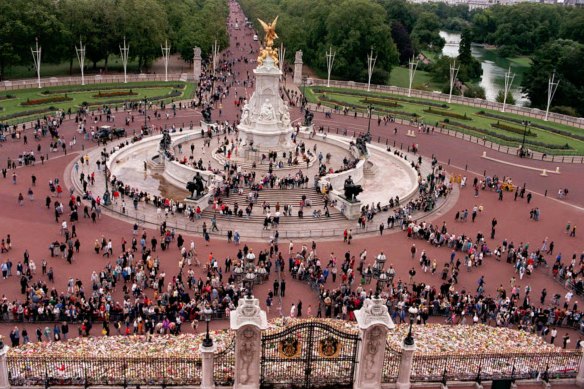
494	68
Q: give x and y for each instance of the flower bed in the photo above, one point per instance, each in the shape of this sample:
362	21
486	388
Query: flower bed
114	94
447	113
384	103
174	93
512	129
398	113
46	100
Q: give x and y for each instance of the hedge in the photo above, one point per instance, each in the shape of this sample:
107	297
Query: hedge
512	129
90	88
115	94
509	138
28	113
384	103
393	97
535	125
172	94
446	113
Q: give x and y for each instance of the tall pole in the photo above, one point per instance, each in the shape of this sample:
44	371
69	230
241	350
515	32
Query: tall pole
281	56
145	109
165	54
124	54
509	77
36	55
453	74
370	109
330	59
552	88
81	58
413	65
370	66
525	124
215	53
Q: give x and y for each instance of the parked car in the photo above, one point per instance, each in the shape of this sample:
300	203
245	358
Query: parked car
103	133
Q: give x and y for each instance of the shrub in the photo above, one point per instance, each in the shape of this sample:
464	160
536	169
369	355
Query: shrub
565	110
447	113
515	130
474	91
114	94
385	103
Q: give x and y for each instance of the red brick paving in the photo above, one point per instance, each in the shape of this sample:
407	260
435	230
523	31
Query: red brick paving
32	226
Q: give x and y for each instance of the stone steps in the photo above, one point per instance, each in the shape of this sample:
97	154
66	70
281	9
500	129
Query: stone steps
284	197
221	159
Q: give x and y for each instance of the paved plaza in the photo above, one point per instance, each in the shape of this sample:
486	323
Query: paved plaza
507	220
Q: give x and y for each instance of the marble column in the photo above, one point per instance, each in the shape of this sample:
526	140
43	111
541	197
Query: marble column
4	383
248	321
374	322
298	68
405	366
207	356
197	63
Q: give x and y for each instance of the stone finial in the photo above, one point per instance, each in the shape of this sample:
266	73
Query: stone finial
373	312
248	312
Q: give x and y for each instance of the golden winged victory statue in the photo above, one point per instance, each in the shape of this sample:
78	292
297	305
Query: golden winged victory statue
268	50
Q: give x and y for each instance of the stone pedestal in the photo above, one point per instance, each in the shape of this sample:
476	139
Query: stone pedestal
197	64
298	68
374	322
351	210
207	355
248	320
405	366
265	119
4	383
580	376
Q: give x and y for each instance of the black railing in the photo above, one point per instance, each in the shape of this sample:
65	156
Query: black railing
65	371
390	365
224	366
467	367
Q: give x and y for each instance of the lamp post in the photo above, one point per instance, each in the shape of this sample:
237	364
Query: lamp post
249	279
409	340
207	312
303	91
145	115
106	196
379	264
526	124
370	109
382	279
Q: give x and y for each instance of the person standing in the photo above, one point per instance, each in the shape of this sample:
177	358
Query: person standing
299	308
554	333
283	288
566	340
293	311
276	287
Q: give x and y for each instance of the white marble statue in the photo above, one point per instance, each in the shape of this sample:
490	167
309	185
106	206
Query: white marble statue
245	119
267	111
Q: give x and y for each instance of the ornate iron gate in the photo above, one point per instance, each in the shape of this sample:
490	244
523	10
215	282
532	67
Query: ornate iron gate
309	354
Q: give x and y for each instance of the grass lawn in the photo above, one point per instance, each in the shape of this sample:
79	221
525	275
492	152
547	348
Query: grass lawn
400	76
412	106
88	94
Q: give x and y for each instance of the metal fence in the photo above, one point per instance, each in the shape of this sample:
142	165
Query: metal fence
467	367
49	371
91	80
224	366
390	365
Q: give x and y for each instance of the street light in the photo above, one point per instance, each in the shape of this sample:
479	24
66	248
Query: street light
409	340
106	196
303	91
249	280
370	109
382	280
145	116
207	312
379	264
526	124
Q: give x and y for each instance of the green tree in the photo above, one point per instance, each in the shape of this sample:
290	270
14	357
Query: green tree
501	96
565	58
403	42
426	33
470	67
